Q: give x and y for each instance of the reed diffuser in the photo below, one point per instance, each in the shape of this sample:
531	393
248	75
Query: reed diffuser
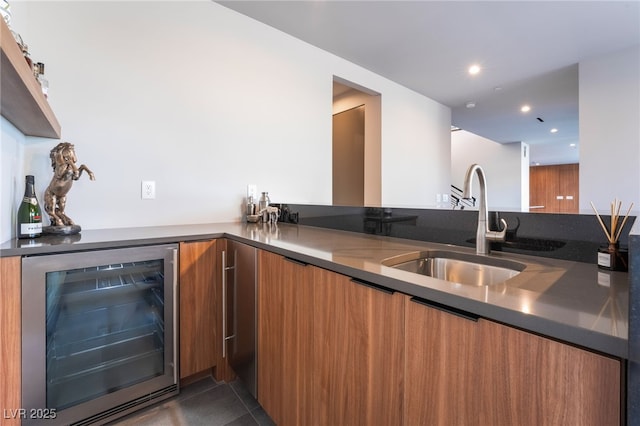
609	257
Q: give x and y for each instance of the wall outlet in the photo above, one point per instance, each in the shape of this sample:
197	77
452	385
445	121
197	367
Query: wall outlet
148	190
252	191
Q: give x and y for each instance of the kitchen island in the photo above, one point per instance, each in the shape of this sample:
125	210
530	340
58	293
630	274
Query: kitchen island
555	317
571	301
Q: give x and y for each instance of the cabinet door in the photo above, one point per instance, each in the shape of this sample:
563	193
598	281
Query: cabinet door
10	339
359	353
543	189
554	189
198	277
568	184
442	363
532	380
285	333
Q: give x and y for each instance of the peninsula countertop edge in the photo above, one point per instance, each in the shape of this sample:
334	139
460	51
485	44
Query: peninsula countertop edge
574	302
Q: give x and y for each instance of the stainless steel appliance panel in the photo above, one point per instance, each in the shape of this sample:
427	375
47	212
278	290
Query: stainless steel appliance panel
239	293
99	332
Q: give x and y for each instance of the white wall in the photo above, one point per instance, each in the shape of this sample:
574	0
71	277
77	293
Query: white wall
610	130
416	151
12	179
204	101
506	168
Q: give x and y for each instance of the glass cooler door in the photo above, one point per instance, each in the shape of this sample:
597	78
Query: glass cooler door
105	330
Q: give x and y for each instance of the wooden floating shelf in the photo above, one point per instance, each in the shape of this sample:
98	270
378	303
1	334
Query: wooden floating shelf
22	102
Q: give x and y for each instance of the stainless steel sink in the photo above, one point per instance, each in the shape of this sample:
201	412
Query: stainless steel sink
457	267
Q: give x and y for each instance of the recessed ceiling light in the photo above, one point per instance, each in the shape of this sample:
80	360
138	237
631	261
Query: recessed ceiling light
474	69
470	105
525	108
554	130
572	145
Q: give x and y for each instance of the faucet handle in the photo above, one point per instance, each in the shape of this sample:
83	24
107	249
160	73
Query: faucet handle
497	235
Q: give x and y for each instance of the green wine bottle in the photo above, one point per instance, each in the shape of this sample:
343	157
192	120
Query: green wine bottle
29	214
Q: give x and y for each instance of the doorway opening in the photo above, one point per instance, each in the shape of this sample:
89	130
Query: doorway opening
348	157
356	145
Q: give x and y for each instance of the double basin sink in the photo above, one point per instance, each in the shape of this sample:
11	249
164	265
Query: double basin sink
457	267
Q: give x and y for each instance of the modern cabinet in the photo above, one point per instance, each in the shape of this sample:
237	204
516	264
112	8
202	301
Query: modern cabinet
199	272
554	189
23	103
358	352
466	370
442	369
329	349
526	379
285	336
335	351
10	339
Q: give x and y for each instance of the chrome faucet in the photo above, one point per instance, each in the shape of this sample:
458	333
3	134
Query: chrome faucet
483	234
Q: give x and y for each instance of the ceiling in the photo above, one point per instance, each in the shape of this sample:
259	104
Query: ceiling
528	52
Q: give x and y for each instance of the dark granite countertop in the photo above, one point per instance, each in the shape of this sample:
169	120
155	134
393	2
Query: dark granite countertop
571	301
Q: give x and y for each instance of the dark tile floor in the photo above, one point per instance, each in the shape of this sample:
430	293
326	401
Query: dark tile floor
205	402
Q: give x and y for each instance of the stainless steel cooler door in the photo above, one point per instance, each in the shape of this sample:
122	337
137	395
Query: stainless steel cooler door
98	329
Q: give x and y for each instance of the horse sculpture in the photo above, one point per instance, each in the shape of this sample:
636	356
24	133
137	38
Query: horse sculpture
63	160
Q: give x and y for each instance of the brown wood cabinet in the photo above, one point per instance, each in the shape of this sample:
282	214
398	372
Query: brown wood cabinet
338	362
199	272
477	372
10	338
359	353
332	351
442	380
285	336
531	380
554	189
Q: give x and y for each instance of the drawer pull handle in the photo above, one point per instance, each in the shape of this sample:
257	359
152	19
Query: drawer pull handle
448	309
373	286
296	261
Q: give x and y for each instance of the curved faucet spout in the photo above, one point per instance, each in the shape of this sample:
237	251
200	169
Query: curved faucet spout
483	234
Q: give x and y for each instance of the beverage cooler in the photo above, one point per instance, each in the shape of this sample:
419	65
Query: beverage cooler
99	334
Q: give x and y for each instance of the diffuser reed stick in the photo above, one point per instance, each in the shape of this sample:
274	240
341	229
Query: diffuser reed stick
614	231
